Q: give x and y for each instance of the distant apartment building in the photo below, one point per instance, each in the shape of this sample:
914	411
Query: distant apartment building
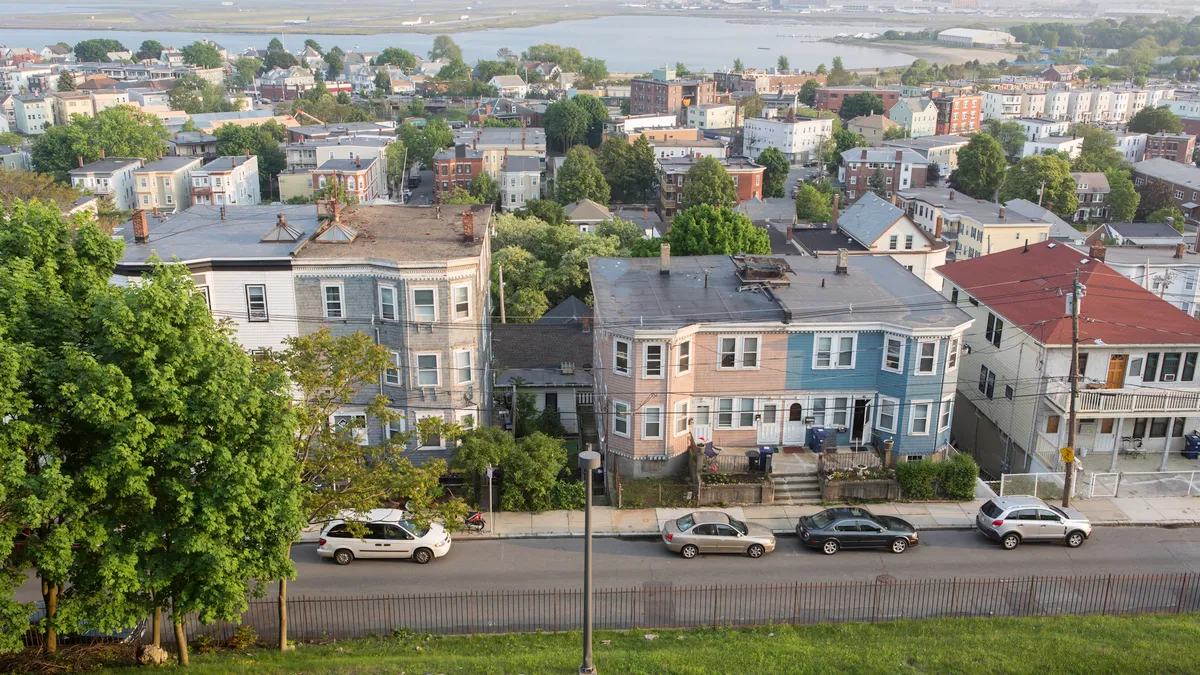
165	184
976	227
1183	179
226	180
713	116
970	37
1092	190
763	82
917	116
631	123
704	147
799	139
69	103
1064	145
672	175
1064	73
111	177
108	98
1131	145
1033	104
455	167
1175	147
940	150
285	84
520	181
32	114
495	143
1037	128
311	153
1001	104
900	169
193	144
959	115
657	97
831	98
358	177
871	127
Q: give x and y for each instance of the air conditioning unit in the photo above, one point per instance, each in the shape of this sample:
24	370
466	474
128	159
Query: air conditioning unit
1168	378
568	368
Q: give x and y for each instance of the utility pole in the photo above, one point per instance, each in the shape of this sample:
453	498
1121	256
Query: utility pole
514	410
1069	452
500	272
1041	192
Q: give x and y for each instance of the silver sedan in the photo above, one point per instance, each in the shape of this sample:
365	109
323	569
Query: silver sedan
716	532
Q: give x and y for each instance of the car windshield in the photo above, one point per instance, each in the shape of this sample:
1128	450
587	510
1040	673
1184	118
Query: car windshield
685	523
738	525
416	530
822	520
991	510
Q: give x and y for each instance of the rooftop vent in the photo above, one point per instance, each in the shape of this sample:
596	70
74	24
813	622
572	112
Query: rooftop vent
282	232
762	270
568	368
335	232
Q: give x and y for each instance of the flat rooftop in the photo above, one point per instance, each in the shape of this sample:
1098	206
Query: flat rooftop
395	232
927	142
346	164
199	233
168	164
979	210
105	165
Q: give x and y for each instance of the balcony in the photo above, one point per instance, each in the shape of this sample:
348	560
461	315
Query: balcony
1114	402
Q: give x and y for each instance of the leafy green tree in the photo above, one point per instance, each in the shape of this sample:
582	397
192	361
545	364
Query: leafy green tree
525	299
96	49
580	177
485	70
776	173
425	142
843	140
812	205
333	190
316	46
547	210
444	47
642	173
318	92
893	133
1172	212
708	230
336	62
202	55
752	106
279	59
1123	198
707	182
531	473
1098	150
568	58
821	69
626	232
782	64
485	189
981	167
260	140
275	45
862	103
808	93
416	108
682	70
396	156
597	114
1156	194
566	123
1025	181
193	95
1011	135
150	49
121	131
245	68
343	98
458	195
593	71
1151	120
877	184
28	185
383	82
11	139
737	66
395	56
613	160
457	69
838	75
66	81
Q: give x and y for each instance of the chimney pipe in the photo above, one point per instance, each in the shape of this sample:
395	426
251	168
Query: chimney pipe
358	162
141	233
937	228
222	213
233	162
1097	251
664	259
833	222
864	153
79	158
468	221
1002	212
843	261
1179	248
789	234
101	152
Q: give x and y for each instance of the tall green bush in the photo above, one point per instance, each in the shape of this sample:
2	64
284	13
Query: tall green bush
957	477
916	479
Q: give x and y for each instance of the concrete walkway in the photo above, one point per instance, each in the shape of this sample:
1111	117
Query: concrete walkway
611	522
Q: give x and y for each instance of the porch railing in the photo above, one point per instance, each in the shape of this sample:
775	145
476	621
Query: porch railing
1126	400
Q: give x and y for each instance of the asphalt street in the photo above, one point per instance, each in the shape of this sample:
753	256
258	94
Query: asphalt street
540	564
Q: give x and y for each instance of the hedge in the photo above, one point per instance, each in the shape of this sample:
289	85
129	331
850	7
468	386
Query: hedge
955	478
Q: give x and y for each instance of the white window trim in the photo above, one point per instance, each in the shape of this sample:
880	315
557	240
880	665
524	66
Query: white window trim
912	417
362	434
425	415
249	314
628	415
628	372
395	304
662	360
417	369
454	302
895	414
835	338
947	411
716	411
394	360
720	354
954	350
643	415
679	369
683	410
412	303
389	430
739	352
917	366
903	348
470	366
341	299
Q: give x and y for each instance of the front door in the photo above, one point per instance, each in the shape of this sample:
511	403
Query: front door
858	425
793	426
1052	526
768	425
702	424
399	543
728	540
1116	371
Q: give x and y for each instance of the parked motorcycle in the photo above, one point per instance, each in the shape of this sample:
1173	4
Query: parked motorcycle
475	521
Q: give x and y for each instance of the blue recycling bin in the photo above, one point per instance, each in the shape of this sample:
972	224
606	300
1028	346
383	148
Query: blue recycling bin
1191	447
816	438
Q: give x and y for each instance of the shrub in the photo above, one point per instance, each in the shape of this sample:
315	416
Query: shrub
206	643
568	495
916	479
244	638
957	477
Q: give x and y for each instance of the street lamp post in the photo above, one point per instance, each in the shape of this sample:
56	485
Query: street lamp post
589	461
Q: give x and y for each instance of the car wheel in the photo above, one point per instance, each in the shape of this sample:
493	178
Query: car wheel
1075	539
830	547
422	555
343	556
1010	541
689	551
899	545
756	551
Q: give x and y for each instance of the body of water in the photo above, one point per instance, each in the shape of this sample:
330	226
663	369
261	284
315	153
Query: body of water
627	43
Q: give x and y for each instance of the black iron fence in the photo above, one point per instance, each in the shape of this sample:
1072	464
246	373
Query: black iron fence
657	605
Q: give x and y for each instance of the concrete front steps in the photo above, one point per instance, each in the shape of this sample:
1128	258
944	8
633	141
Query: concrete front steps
796	488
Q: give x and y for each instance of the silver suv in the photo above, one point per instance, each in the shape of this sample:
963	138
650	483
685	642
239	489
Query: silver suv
1012	520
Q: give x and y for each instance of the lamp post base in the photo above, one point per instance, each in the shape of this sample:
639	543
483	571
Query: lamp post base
584	670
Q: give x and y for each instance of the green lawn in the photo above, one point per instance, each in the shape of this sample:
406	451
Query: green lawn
1092	645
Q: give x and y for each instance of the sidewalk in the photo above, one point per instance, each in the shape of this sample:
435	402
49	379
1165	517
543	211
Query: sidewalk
611	522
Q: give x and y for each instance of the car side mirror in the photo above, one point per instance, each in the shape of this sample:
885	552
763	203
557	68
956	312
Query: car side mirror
740	535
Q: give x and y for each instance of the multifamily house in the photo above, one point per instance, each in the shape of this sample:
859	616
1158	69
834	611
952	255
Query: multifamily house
871	127
455	168
1091	188
164	184
520	181
1170	272
959	115
1183	179
832	98
974	227
900	170
940	150
799	140
112	177
32	113
672	175
312	153
761	351
226	180
496	143
1174	147
193	144
918	116
1137	362
359	178
414	279
67	104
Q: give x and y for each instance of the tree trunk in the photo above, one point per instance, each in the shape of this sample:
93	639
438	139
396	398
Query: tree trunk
156	627
50	597
181	640
283	626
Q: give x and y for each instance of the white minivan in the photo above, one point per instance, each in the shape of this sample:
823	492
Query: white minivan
384	539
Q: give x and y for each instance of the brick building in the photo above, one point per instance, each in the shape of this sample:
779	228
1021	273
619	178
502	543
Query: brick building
831	98
1183	179
958	115
455	167
902	169
359	176
1175	147
648	96
672	173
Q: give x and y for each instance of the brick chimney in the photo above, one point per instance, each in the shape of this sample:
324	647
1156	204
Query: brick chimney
899	155
140	231
1097	251
937	228
664	259
833	225
952	195
864	154
789	234
79	158
102	152
358	162
468	221
1001	212
233	162
1179	249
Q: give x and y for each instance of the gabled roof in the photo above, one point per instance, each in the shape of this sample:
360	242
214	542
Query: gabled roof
867	219
505	81
872	121
536	352
571	310
1172	172
882	155
586	211
1095	181
1028	287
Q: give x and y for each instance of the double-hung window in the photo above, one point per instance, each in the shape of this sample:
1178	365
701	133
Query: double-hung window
387	303
681	417
893	354
840	405
391	374
356	423
952	354
427	370
724	413
652	360
332	296
818	412
987	381
888	408
621	357
738	352
256	302
621	419
462	367
918	423
834	351
462	302
652	422
424	303
927	358
683	358
746	413
728	352
944	416
995	329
